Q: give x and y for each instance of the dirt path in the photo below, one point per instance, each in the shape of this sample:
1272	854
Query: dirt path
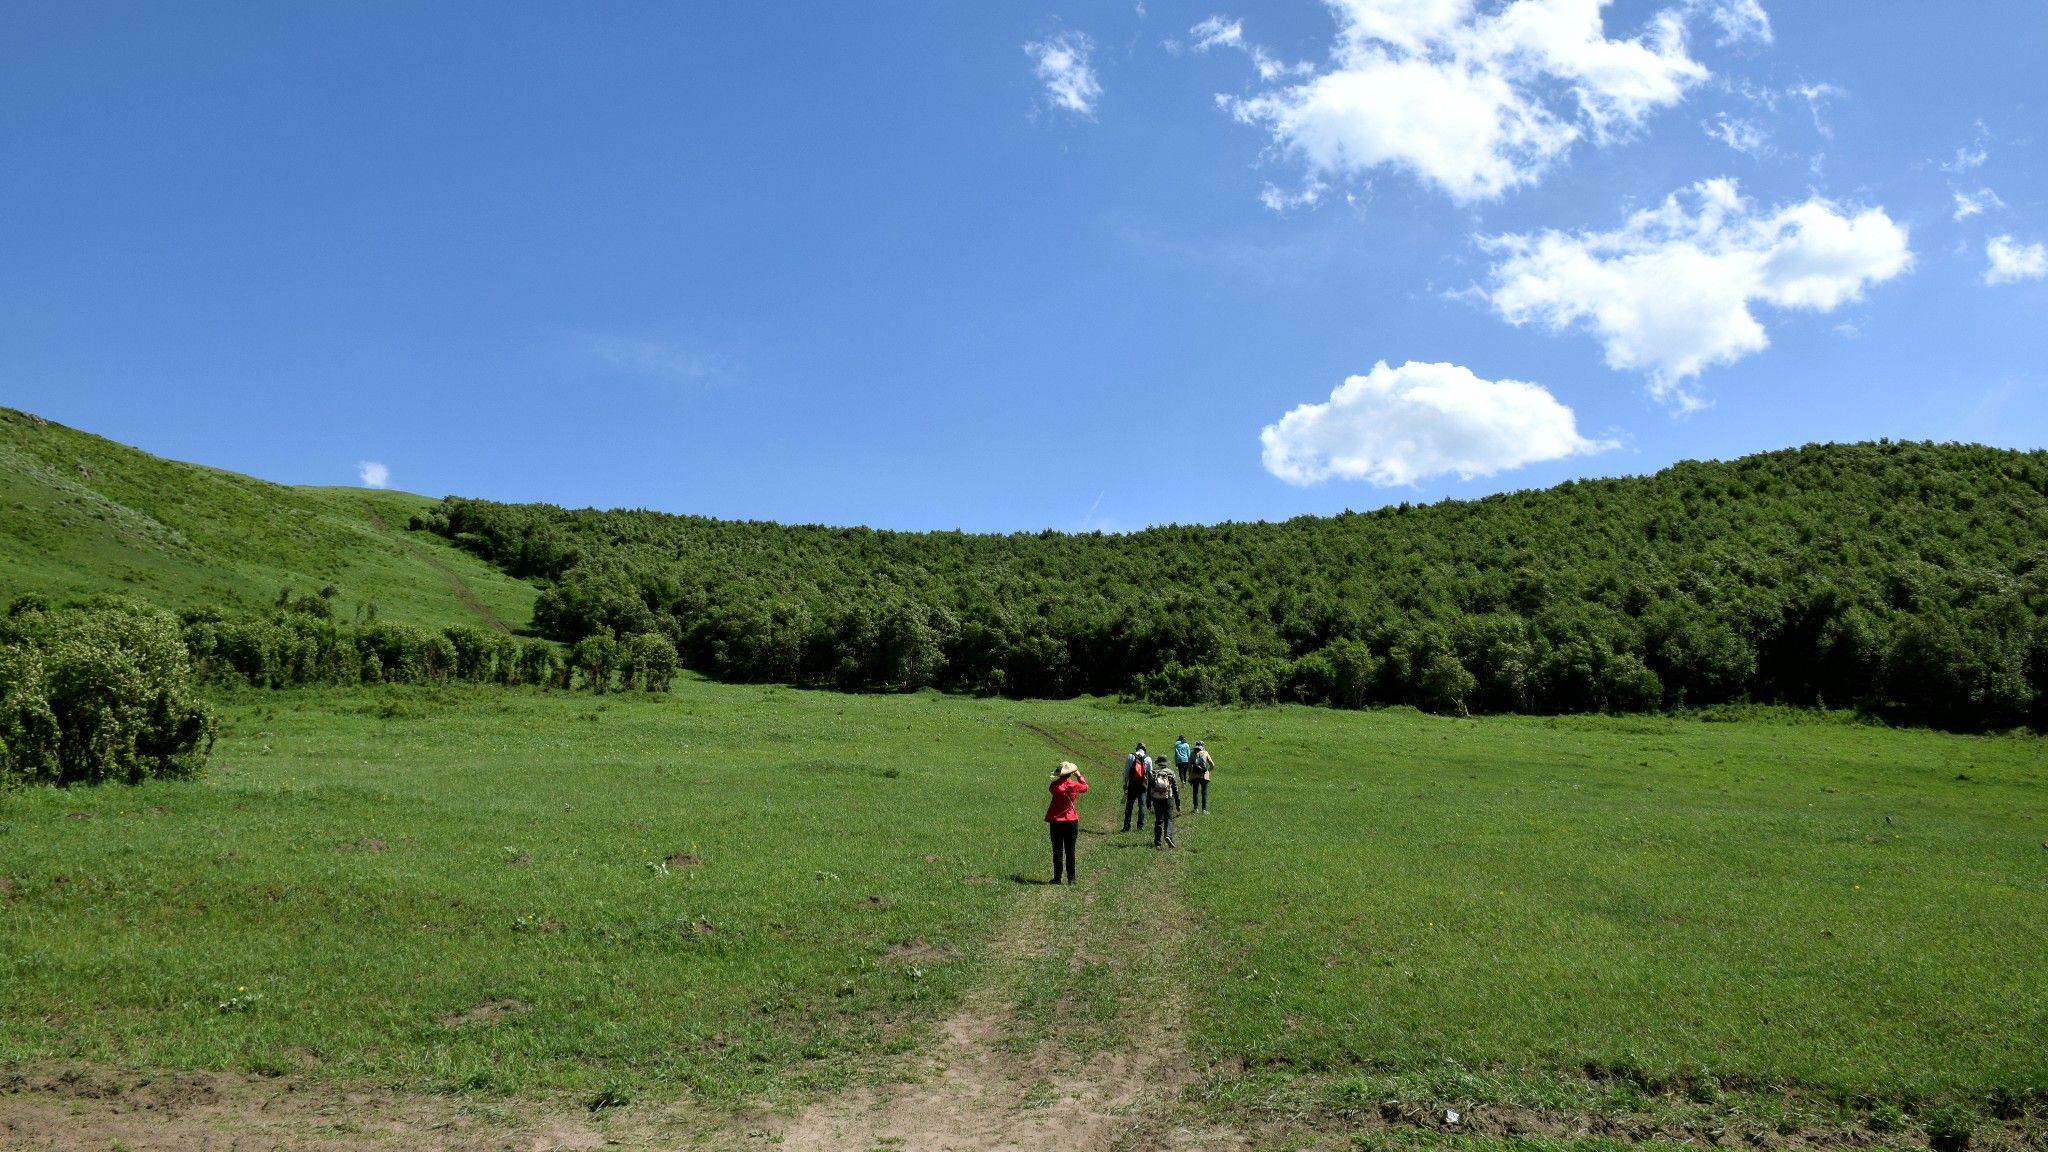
464	594
1075	1039
223	1112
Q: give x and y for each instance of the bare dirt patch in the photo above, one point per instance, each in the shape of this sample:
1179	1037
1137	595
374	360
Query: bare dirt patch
488	1012
362	844
920	951
994	1081
75	1110
682	860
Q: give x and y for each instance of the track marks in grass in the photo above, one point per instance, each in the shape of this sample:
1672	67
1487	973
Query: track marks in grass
1075	1037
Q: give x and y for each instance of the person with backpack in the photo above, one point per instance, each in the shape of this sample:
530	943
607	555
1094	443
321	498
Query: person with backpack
1062	819
1182	756
1136	766
1162	787
1198	770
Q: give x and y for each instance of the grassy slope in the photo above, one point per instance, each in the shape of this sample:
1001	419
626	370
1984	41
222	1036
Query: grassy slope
85	515
1377	894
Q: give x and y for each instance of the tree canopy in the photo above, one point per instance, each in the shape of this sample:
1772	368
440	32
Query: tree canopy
1905	579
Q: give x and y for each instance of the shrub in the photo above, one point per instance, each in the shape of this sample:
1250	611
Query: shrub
99	693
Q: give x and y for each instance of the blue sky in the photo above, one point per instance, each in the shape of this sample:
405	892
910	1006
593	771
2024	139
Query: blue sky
1011	266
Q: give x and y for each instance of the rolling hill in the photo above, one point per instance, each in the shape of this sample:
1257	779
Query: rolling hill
85	516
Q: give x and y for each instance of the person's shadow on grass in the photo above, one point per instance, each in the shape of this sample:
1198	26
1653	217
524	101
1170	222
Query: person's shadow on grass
1020	878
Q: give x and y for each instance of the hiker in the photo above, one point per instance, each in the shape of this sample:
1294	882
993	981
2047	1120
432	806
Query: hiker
1135	767
1199	770
1060	817
1163	788
1182	756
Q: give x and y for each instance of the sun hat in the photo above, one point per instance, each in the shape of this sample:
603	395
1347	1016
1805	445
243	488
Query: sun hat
1066	768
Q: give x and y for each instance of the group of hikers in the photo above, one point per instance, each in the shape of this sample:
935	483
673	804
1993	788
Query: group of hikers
1149	782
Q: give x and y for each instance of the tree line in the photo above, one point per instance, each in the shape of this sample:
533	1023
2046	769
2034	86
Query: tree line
1903	579
109	690
299	645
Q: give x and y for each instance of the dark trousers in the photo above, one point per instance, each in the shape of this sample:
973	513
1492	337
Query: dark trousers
1162	822
1064	835
1134	794
1201	795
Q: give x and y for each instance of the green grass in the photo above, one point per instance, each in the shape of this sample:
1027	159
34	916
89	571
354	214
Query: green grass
1655	902
86	516
1587	914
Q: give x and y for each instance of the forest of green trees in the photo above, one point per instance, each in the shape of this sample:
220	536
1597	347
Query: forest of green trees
1906	580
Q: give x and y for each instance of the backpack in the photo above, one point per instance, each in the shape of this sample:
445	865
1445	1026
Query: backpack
1139	769
1161	785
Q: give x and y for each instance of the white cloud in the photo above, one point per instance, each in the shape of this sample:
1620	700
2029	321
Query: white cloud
1474	102
1400	425
1971	156
1669	292
1222	32
1062	64
1817	97
1970	204
1217	32
1282	201
1739	20
373	474
1742	135
2012	262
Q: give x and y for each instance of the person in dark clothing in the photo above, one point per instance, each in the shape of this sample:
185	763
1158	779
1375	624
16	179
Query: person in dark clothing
1163	788
1136	765
1063	820
1198	777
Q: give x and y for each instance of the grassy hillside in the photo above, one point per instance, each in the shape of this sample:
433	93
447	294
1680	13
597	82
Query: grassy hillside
85	516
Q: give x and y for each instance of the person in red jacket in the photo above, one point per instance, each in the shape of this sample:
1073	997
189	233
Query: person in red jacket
1067	783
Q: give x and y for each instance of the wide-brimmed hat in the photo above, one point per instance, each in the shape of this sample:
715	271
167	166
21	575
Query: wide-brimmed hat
1198	743
1066	768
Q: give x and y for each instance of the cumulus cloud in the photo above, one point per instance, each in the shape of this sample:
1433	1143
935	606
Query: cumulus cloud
1669	292
1399	425
373	474
1062	64
1473	102
1970	204
2011	262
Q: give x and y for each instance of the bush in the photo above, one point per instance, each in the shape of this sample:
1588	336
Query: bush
99	693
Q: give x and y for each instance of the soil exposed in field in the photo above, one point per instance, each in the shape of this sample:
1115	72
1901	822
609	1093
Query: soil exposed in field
997	1082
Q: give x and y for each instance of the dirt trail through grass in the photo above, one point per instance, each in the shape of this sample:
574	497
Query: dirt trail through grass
1075	1040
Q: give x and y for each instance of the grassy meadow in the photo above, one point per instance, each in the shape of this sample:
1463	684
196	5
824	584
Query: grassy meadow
741	892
